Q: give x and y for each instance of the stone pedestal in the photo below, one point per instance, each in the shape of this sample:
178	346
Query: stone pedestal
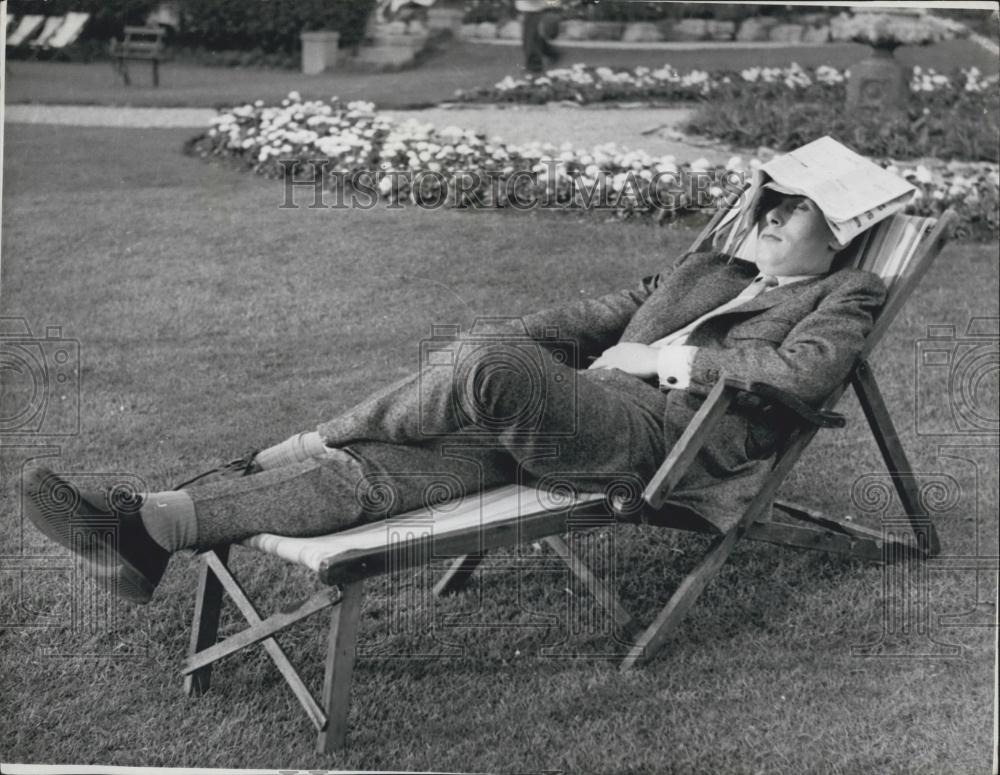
319	51
878	82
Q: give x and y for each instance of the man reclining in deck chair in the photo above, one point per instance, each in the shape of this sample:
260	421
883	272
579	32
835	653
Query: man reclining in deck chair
792	319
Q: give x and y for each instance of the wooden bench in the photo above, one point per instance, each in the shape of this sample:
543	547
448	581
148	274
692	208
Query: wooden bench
139	43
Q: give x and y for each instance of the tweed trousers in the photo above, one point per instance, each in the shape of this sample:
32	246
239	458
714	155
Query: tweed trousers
488	413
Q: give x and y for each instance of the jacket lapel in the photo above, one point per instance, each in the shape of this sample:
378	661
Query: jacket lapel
772	298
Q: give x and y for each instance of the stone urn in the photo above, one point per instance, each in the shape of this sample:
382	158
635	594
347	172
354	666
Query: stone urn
879	81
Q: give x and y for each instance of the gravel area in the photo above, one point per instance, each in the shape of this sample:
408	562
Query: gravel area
636	128
88	115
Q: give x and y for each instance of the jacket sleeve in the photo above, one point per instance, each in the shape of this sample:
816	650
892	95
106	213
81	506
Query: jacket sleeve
596	324
816	355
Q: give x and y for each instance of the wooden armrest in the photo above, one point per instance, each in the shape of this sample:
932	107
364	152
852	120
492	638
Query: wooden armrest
821	418
705	419
691	441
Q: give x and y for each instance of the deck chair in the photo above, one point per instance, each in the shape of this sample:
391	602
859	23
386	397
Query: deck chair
64	35
52	23
26	27
900	250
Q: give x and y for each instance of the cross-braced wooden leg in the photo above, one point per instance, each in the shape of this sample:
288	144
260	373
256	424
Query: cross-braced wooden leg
205	627
895	458
693	585
340	667
607	599
458	574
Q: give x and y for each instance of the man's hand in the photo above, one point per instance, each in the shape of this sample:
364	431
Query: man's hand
633	358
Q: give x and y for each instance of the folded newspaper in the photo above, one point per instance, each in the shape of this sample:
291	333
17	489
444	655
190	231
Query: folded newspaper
851	191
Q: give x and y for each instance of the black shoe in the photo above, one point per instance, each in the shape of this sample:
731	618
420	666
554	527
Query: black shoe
243	466
104	529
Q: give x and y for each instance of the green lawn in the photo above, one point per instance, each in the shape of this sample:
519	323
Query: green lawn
210	322
458	65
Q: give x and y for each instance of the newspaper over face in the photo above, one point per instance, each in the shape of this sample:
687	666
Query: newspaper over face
852	192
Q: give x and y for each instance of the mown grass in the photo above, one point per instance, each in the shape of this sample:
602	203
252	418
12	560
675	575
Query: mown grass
457	65
211	322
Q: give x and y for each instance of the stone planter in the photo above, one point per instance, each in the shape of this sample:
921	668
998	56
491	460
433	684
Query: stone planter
319	51
878	82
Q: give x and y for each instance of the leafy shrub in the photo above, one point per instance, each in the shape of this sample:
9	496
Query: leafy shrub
236	24
354	145
947	125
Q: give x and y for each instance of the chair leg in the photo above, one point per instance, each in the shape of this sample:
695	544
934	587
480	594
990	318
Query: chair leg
895	458
205	627
458	575
156	72
339	667
607	599
681	601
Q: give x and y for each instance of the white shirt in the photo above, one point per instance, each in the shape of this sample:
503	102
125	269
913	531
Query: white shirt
675	358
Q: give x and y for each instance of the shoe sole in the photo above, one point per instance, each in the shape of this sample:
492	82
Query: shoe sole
50	503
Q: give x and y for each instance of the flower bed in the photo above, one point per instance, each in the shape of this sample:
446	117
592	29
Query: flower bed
584	84
373	160
902	27
950	117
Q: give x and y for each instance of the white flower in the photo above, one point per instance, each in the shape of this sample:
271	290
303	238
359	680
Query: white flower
922	174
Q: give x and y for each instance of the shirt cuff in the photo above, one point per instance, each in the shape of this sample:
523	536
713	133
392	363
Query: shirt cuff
673	365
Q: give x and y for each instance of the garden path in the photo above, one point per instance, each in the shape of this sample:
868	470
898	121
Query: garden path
640	128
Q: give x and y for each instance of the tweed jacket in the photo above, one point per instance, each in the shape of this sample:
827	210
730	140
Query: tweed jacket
803	337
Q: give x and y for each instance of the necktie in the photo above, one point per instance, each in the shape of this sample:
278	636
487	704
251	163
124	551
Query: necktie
760	284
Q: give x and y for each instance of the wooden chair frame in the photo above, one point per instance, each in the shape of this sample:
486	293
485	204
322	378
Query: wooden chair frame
810	529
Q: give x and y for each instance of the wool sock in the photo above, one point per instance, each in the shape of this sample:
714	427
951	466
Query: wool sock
296	449
169	519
